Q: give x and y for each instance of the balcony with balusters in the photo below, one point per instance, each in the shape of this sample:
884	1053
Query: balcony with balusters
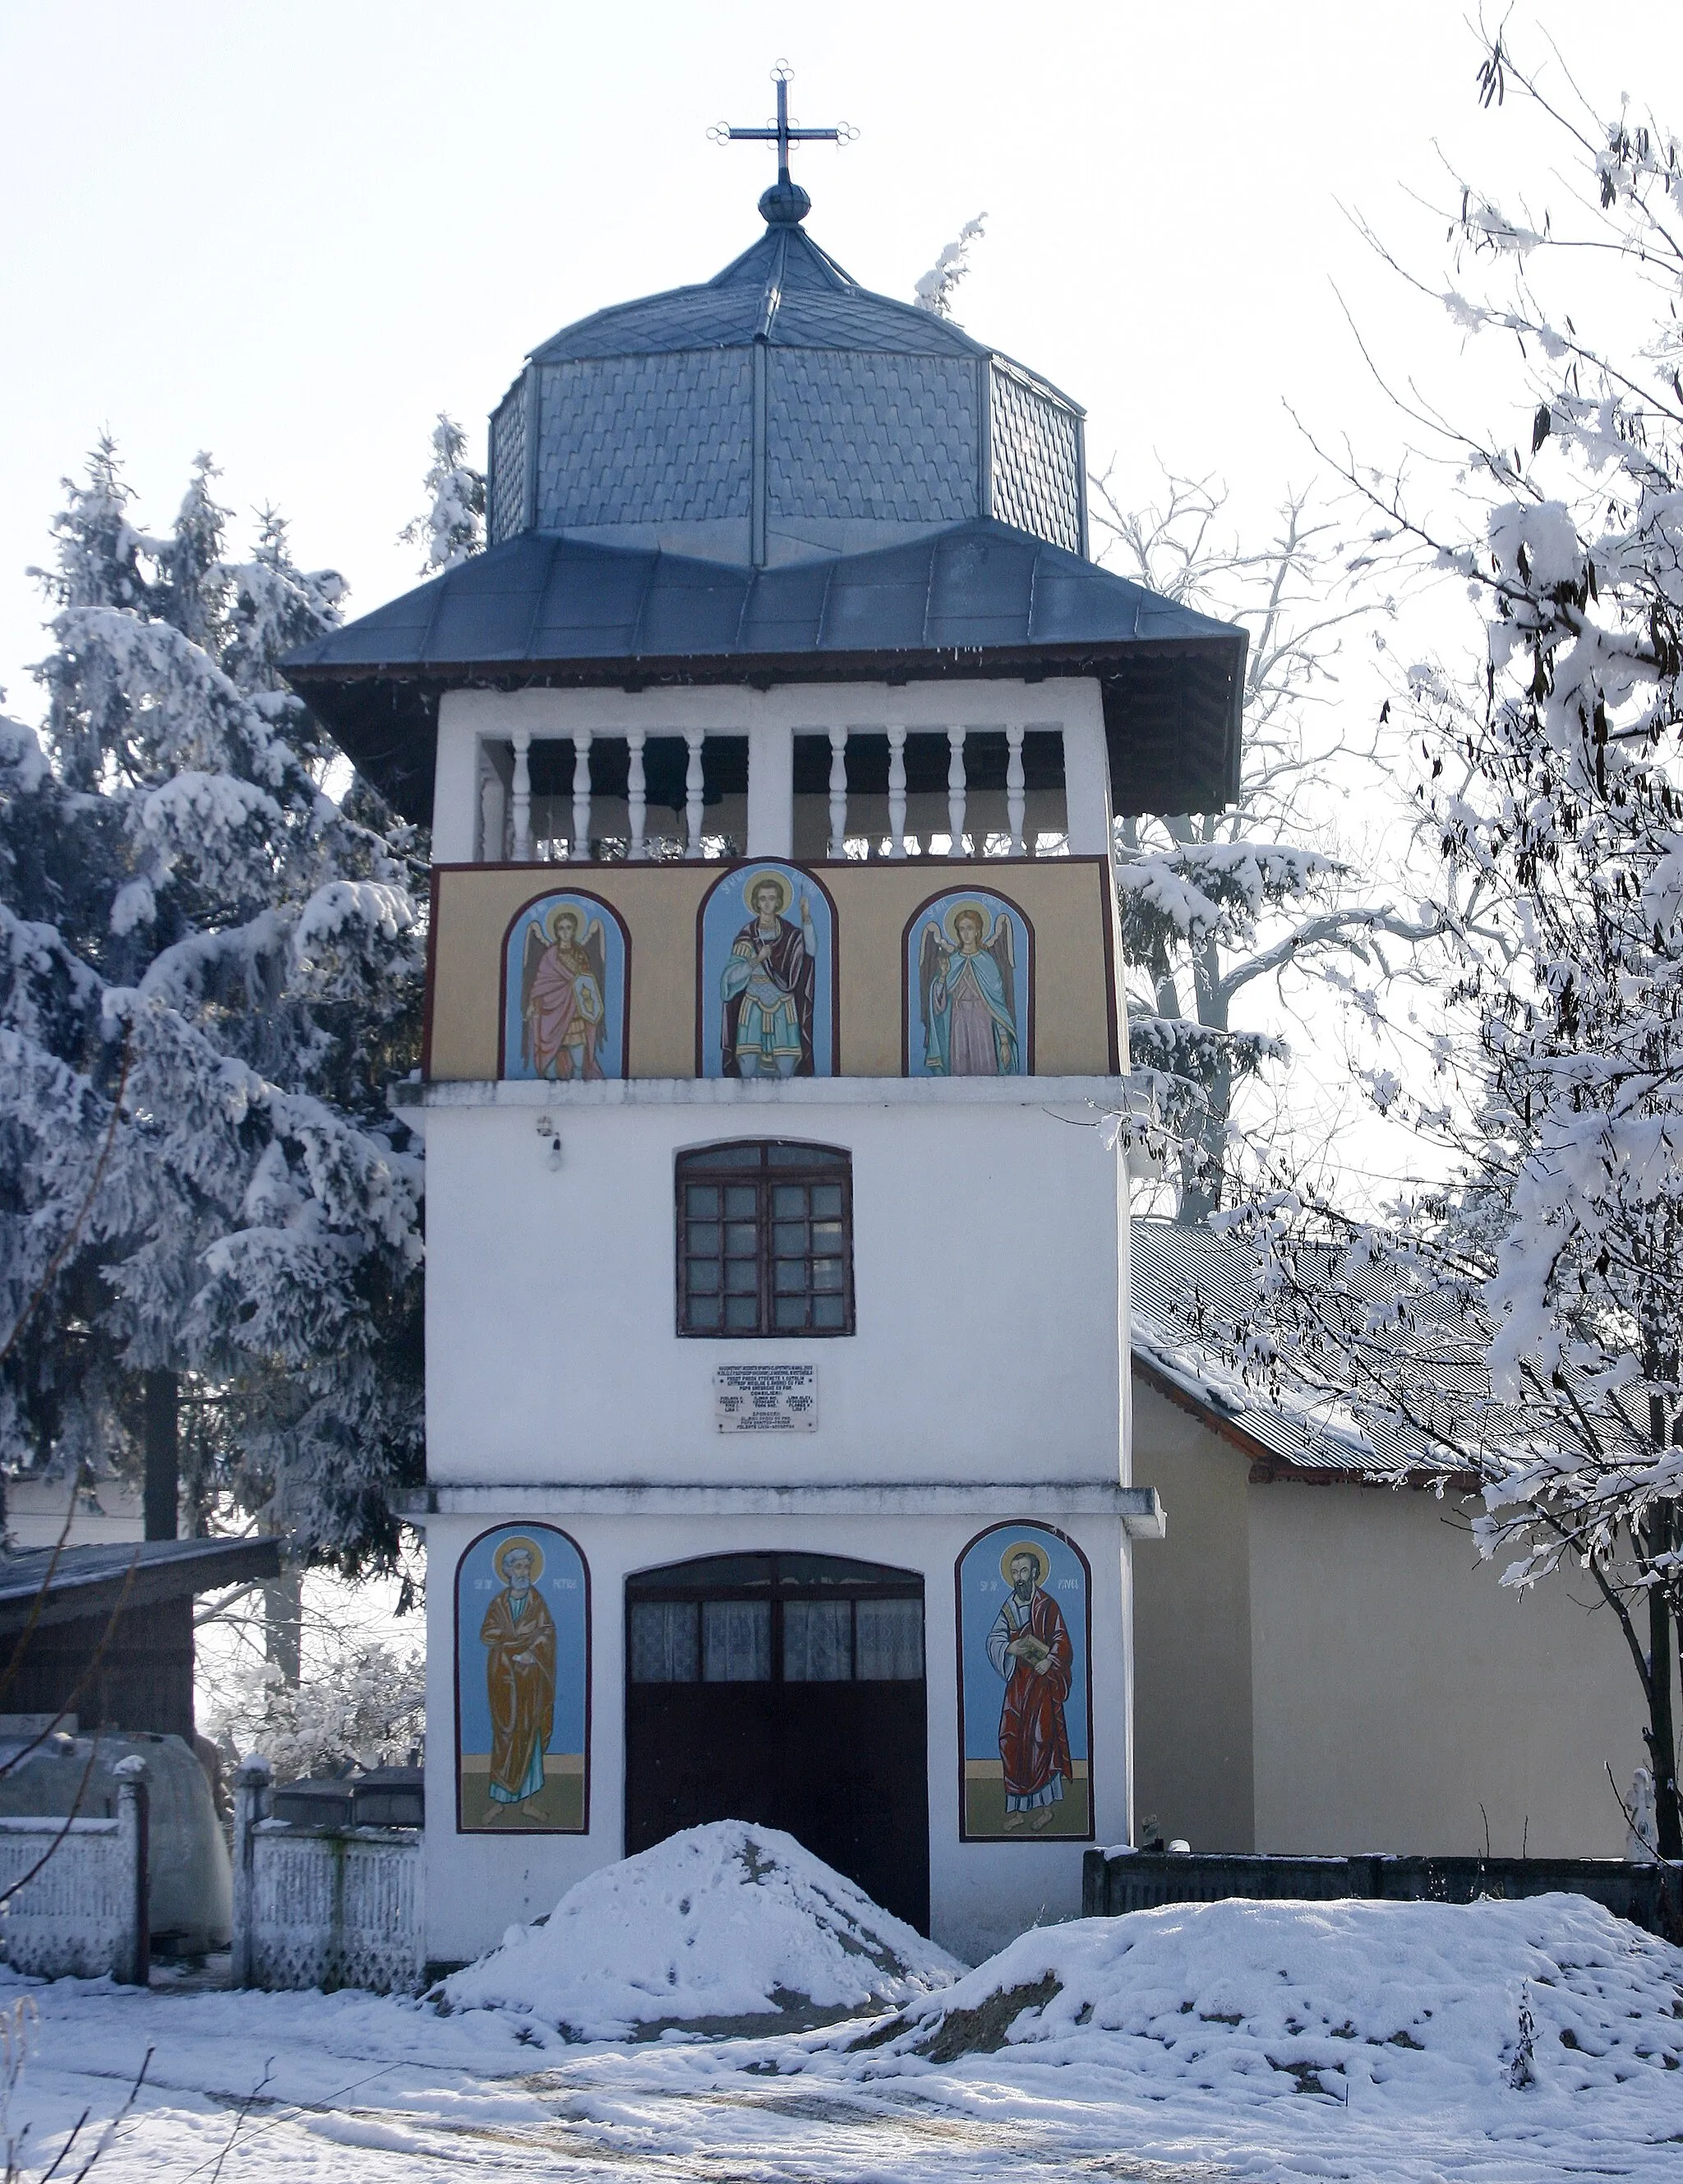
867	795
651	800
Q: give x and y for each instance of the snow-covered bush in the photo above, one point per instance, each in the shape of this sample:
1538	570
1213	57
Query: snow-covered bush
359	1699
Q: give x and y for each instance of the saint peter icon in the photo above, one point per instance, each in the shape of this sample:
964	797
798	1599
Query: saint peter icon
518	1637
1030	1646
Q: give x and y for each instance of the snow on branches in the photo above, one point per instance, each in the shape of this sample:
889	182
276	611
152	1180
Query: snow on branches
933	291
1552	795
1214	905
452	529
209	967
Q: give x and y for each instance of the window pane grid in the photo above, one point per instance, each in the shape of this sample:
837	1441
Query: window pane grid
794	1641
765	1254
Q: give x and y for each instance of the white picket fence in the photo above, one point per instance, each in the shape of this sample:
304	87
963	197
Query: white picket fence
73	1898
323	1907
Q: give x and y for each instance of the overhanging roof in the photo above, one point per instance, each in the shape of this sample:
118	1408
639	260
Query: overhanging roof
98	1580
974	599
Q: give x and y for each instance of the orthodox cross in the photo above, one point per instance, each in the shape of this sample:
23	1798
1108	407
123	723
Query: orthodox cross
783	134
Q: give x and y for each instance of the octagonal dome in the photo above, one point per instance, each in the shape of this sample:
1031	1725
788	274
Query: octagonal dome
777	414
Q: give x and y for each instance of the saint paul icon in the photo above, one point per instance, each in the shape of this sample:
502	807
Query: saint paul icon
1023	1595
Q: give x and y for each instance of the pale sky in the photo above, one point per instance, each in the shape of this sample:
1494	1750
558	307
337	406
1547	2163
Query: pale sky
291	234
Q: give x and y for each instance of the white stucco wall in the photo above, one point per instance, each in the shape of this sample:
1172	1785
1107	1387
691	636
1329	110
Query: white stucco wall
980	1894
989	1269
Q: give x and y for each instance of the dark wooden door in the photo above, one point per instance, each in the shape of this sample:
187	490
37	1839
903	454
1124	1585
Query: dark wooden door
787	1690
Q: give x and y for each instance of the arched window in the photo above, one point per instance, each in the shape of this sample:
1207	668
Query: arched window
765	1240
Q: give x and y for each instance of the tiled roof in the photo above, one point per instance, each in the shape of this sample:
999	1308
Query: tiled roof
779	402
784	288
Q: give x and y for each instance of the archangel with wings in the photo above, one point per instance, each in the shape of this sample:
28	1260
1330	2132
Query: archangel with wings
563	974
967	987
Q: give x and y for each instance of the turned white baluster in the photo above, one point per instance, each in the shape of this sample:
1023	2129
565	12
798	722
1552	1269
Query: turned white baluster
636	794
493	817
955	792
693	792
838	792
523	797
896	792
580	849
1016	799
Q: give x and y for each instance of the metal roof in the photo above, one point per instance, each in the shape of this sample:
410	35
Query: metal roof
973	599
783	289
778	413
1195	1297
97	1580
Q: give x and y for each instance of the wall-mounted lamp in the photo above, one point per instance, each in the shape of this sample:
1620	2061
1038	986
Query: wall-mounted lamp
547	1130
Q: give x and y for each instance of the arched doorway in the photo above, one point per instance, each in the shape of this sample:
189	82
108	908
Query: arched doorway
786	1689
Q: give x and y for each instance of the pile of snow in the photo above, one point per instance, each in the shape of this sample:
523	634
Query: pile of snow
1422	2006
720	1922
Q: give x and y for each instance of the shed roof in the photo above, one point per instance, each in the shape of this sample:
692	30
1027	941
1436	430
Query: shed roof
70	1584
1196	1296
978	598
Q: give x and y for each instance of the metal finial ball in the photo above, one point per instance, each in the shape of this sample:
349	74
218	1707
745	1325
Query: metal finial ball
784	204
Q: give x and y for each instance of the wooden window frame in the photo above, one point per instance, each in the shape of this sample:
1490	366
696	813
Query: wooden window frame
750	1161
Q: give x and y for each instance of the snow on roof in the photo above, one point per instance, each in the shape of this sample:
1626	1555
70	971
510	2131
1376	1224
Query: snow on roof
1196	1297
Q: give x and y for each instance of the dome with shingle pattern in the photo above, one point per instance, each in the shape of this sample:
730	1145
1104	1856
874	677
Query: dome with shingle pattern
776	414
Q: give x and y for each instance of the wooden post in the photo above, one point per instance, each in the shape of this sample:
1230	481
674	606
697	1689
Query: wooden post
251	1805
694	786
1016	796
162	1488
133	1967
523	797
493	805
637	795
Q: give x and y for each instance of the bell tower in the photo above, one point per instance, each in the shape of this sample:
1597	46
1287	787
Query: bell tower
778	1434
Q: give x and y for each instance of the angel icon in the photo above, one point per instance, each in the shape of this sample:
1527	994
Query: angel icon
563	975
967	986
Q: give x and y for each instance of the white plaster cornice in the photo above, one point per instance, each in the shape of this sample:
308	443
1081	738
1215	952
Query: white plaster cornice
1106	1094
1139	1508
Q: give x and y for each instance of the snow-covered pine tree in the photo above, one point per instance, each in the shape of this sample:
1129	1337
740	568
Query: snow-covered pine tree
209	971
452	528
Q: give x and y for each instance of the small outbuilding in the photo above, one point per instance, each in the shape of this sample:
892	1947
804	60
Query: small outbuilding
105	1633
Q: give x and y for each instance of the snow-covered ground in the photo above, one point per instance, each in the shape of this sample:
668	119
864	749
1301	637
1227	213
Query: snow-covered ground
1360	2040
